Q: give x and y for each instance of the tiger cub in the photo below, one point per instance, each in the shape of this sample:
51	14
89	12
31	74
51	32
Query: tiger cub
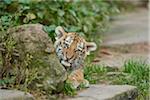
72	50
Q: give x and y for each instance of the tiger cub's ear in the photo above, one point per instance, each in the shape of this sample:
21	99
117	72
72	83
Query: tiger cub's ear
59	32
91	46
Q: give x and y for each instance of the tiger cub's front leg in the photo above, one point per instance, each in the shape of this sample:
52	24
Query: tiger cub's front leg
76	78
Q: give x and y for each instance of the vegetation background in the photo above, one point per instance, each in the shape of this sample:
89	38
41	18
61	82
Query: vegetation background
85	17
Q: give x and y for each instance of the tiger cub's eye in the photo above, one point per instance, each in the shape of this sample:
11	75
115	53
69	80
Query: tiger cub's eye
68	41
80	46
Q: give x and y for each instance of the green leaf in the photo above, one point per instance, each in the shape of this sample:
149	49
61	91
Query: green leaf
74	29
85	28
8	1
72	12
31	16
25	20
25	7
81	34
50	30
5	20
25	1
40	15
61	13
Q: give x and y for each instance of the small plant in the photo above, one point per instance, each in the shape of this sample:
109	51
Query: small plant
93	72
68	89
139	76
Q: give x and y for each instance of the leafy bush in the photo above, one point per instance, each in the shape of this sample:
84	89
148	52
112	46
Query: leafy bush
83	16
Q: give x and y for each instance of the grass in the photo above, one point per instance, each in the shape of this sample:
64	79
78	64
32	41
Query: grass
92	72
134	73
139	72
69	90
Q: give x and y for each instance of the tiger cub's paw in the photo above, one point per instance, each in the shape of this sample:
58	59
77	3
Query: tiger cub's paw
85	84
76	84
73	84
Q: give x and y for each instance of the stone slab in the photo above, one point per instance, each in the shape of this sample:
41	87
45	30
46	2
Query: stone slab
128	28
107	92
14	95
117	61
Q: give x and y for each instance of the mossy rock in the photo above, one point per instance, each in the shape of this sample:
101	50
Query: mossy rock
31	59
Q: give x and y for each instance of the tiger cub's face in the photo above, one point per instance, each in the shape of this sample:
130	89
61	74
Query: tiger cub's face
71	48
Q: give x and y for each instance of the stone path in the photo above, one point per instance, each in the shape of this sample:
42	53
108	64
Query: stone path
107	92
129	32
14	95
128	28
115	56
